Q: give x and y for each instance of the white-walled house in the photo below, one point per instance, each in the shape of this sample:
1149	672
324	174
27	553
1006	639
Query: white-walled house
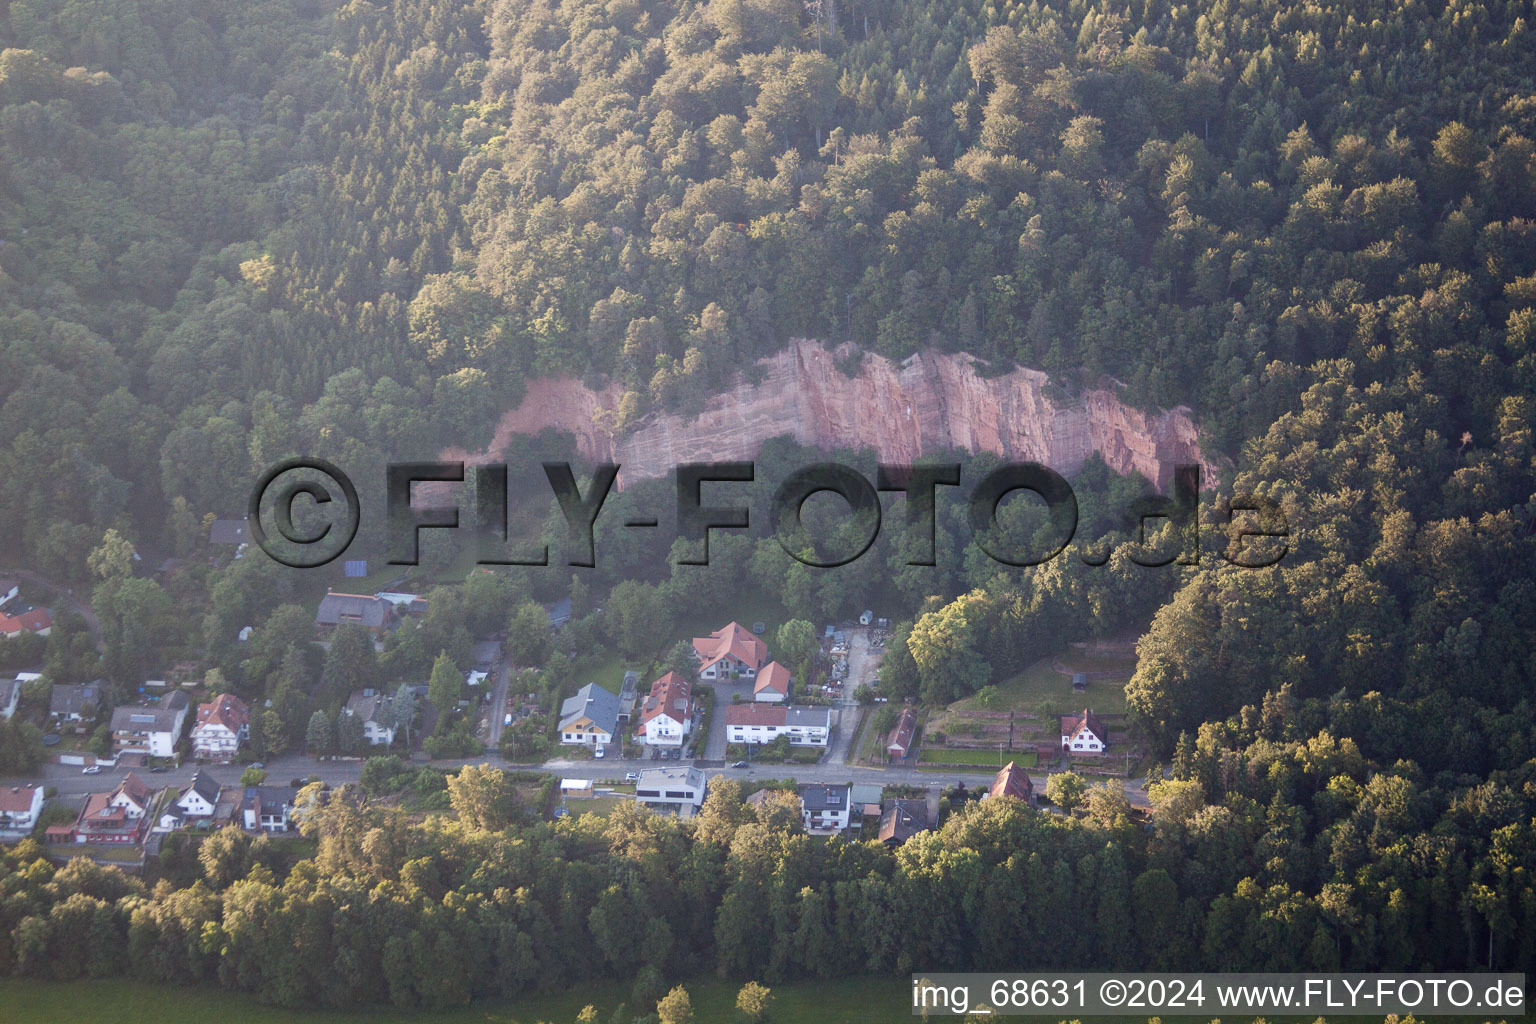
680	786
824	806
222	725
764	723
773	683
150	729
666	716
730	651
195	803
1083	734
267	808
10	697
19	807
369	707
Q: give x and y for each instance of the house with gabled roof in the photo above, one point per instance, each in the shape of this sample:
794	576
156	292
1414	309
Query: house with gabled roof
590	718
19	808
267	808
773	683
824	806
34	620
367	610
197	802
666	715
70	701
1083	734
730	651
1012	781
901	820
222	725
763	723
10	697
116	817
899	743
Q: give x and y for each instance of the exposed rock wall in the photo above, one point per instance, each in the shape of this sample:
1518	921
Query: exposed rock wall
930	402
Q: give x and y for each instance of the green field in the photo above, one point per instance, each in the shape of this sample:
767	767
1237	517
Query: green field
981	758
1042	690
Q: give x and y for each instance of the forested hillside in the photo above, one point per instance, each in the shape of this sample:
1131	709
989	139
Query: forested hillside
231	232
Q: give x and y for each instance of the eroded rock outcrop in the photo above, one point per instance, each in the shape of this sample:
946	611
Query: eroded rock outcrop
930	402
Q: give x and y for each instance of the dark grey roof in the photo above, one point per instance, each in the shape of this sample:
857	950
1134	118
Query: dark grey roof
174	701
596	703
69	698
903	819
268	799
808	716
365	706
228	531
824	797
8	688
205	786
365	609
135	718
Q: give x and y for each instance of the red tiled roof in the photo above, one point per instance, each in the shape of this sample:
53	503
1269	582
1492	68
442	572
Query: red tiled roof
227	710
901	736
1013	781
31	622
773	677
670	695
17	798
735	641
134	789
1070	724
756	714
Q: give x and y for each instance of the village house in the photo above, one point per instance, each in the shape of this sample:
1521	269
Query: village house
118	817
71	702
731	651
221	727
666	715
899	744
371	708
773	683
197	802
267	808
824	807
9	591
228	532
590	718
150	729
1012	781
678	787
19	808
1083	734
10	697
37	620
764	723
367	610
901	820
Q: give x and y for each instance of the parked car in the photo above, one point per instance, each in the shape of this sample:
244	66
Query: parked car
600	752
631	776
257	764
91	769
158	768
739	764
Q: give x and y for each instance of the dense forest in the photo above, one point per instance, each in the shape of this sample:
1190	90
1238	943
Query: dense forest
232	232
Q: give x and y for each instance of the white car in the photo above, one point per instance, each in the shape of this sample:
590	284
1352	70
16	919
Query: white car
91	769
631	776
600	752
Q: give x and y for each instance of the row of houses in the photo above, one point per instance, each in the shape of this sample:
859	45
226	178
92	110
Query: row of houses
124	815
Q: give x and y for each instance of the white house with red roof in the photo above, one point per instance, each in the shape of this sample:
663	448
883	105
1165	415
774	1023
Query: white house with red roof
222	725
35	621
115	817
666	716
731	651
773	683
1083	734
19	807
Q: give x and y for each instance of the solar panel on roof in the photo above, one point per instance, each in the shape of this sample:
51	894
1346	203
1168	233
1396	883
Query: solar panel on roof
355	569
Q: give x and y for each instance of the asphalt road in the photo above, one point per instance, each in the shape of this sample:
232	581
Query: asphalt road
70	783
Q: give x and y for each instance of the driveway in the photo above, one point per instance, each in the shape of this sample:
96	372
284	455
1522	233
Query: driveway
863	663
724	691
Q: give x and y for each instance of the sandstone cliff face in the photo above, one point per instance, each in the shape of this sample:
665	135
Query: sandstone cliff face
930	402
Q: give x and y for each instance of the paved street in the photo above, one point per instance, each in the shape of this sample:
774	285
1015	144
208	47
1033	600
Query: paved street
71	783
724	690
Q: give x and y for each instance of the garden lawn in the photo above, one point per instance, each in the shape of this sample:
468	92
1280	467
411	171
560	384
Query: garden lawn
980	758
1042	690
